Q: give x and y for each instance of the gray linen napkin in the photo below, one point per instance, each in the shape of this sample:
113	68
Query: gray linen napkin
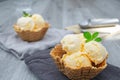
12	43
42	65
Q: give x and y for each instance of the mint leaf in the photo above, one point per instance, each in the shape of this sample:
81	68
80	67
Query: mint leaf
87	40
30	15
87	35
98	39
92	37
95	34
25	14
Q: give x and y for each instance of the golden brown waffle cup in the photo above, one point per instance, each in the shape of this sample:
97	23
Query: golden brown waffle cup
83	73
31	36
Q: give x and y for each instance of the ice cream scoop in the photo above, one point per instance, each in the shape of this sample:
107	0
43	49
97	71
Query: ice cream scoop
38	19
76	60
96	52
72	43
25	23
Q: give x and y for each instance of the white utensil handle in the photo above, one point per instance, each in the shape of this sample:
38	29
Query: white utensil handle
102	22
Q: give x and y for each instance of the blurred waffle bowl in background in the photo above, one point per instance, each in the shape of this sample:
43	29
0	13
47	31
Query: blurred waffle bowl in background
31	27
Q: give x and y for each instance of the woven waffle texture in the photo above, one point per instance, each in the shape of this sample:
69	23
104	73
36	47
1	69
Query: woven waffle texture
30	36
84	73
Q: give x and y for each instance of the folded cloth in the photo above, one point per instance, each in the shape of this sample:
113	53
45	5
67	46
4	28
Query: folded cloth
12	43
42	65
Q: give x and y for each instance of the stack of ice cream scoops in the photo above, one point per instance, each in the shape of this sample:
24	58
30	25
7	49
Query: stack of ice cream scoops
80	56
31	27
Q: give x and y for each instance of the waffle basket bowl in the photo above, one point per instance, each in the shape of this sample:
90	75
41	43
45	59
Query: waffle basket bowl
83	73
30	36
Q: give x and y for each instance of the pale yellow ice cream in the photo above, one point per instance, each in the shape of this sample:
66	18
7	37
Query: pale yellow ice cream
76	60
73	43
96	52
82	54
31	23
25	23
38	20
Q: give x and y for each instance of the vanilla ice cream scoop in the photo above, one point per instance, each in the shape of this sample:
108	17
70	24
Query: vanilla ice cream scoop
72	43
38	19
96	52
25	23
76	60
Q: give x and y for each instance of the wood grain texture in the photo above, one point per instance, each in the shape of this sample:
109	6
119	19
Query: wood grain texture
59	13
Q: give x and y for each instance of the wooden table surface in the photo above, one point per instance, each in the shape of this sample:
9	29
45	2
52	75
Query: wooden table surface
59	13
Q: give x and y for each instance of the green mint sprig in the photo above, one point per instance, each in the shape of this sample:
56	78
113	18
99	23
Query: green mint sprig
25	14
90	37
